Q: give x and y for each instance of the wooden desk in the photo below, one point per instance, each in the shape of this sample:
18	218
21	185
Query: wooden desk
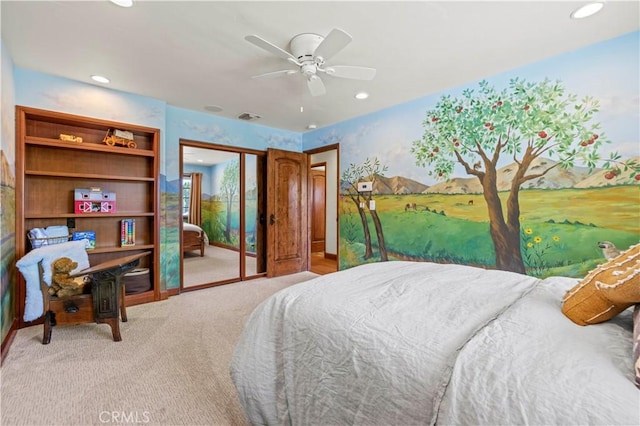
106	293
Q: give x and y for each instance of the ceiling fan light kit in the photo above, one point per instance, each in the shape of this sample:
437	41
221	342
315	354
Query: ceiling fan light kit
309	52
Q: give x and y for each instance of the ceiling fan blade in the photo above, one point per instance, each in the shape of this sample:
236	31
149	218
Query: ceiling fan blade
332	44
275	74
316	86
269	47
348	71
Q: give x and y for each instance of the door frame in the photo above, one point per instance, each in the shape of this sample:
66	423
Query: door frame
326	148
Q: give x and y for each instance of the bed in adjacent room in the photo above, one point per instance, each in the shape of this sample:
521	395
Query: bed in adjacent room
399	343
193	238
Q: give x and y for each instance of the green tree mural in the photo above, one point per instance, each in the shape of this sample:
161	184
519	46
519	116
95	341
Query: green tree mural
350	178
523	121
229	188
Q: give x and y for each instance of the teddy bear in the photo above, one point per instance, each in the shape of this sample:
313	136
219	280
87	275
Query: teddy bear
61	284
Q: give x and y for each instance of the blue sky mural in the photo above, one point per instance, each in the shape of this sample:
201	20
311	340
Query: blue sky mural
53	93
607	71
202	127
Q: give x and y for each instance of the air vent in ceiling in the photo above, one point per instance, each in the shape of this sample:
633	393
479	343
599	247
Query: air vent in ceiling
247	116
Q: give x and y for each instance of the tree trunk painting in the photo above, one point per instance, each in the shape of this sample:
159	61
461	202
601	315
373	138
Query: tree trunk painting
350	179
521	122
230	186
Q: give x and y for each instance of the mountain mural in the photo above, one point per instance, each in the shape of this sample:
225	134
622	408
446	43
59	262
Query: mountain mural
397	185
556	178
574	177
600	179
171	186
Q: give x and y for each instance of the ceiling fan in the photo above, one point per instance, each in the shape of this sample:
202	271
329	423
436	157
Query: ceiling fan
309	52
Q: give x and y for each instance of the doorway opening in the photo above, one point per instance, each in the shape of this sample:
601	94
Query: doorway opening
323	209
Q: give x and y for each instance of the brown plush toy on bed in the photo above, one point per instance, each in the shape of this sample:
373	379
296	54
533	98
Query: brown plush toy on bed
61	284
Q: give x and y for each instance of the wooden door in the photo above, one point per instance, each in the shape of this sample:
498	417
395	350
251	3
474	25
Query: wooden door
287	213
318	209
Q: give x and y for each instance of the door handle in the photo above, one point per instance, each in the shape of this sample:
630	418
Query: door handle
272	219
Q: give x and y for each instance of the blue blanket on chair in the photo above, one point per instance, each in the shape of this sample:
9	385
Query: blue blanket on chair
28	266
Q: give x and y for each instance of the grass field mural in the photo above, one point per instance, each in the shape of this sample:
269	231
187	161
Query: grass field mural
558	237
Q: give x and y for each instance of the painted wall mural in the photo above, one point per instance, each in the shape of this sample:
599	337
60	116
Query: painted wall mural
220	202
7	196
526	171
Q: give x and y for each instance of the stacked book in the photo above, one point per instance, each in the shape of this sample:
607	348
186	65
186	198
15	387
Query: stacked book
128	232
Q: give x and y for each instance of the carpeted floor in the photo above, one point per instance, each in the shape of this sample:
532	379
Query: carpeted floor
171	367
217	264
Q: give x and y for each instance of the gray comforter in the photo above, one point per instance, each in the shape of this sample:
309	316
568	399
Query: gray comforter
405	343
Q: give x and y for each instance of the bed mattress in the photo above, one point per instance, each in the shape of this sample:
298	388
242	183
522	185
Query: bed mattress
400	343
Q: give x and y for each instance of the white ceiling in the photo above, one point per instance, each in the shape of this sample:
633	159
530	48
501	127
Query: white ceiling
193	54
206	157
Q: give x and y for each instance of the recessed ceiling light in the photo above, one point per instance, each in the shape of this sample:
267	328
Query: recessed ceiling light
312	126
122	3
587	10
362	95
100	79
213	108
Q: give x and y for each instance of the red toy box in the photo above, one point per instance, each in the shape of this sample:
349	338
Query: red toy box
94	200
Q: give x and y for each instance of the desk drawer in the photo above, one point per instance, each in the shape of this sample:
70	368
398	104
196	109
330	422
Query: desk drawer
84	303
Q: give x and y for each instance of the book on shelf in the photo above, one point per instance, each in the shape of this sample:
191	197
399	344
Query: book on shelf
88	236
127	232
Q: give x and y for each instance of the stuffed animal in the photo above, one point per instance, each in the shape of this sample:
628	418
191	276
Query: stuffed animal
61	284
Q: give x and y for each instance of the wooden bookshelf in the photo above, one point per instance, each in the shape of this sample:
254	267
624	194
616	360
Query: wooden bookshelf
49	169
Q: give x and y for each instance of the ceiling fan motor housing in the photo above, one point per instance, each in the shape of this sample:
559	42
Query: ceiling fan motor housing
304	45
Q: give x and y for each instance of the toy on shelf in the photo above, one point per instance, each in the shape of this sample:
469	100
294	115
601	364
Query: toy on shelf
120	137
94	200
70	138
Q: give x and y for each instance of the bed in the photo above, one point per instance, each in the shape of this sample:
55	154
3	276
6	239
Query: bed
408	343
193	238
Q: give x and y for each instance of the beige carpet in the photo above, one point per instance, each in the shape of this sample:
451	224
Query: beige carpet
217	264
171	367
